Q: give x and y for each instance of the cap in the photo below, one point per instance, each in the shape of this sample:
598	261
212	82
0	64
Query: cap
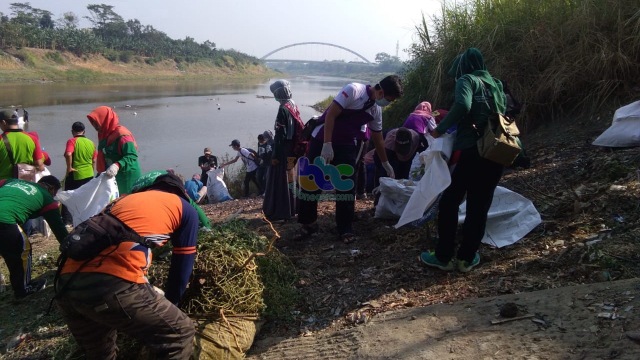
235	142
7	115
403	142
77	126
207	151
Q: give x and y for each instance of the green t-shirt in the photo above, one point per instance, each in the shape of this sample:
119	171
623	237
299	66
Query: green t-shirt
83	151
21	200
22	147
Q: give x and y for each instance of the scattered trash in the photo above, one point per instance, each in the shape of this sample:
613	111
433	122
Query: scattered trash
358	317
17	340
617	188
355	252
3	283
501	321
618	218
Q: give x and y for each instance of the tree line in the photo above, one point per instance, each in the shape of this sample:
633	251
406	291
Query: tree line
109	35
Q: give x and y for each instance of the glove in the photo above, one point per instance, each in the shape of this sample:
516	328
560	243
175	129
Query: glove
327	152
112	170
387	167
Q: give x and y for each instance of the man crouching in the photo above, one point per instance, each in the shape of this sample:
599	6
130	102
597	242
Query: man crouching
110	292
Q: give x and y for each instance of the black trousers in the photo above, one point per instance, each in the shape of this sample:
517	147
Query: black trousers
251	176
345	199
477	178
15	249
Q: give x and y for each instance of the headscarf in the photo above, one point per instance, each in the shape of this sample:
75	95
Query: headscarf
110	131
472	62
281	90
423	109
162	180
110	128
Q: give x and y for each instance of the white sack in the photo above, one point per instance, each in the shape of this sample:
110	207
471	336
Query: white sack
436	178
511	217
90	198
394	195
624	130
216	188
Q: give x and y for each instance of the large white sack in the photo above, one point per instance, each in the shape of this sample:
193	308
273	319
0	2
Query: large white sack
625	128
216	188
511	217
394	195
90	198
435	180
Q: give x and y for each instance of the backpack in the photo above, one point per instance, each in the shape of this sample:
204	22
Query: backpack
255	159
300	140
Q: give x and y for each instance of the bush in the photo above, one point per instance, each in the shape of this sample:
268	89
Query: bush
55	56
126	56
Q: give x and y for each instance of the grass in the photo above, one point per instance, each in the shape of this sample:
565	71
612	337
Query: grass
548	51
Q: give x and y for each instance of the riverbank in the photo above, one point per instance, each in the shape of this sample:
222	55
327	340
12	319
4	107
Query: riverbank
40	65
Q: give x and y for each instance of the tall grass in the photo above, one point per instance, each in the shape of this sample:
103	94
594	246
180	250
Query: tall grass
560	58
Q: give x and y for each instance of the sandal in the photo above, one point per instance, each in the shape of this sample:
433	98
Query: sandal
306	231
347	238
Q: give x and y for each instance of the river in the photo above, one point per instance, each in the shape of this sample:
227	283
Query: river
172	121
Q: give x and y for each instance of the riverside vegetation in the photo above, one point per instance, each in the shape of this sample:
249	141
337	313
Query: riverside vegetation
571	63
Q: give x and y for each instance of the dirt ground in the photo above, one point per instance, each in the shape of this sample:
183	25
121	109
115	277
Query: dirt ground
576	274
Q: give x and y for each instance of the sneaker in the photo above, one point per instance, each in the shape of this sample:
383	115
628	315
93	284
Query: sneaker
464	266
33	287
430	259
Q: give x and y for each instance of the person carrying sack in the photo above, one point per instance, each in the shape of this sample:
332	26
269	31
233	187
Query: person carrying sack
474	176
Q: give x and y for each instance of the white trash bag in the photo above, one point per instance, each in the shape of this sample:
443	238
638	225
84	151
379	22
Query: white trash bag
216	188
511	217
394	195
90	198
625	128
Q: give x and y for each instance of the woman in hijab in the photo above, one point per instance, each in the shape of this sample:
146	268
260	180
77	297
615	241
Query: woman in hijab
279	200
477	96
117	148
421	120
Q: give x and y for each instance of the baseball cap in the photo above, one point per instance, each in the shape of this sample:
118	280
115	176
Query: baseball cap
235	142
7	115
77	126
207	150
403	143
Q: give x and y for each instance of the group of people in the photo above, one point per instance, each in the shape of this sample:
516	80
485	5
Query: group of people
109	292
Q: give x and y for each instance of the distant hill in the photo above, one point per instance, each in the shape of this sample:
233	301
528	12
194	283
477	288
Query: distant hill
29	64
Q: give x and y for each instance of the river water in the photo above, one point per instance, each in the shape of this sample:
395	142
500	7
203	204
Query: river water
172	121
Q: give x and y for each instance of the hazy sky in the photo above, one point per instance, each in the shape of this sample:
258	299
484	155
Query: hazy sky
257	27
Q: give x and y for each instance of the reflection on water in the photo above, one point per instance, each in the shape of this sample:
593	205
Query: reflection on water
172	121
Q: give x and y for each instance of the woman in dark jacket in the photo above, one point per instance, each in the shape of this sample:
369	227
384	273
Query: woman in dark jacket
279	201
477	95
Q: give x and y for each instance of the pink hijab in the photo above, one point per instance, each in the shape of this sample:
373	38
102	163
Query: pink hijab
423	109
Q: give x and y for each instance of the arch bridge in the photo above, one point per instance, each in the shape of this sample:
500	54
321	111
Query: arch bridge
316	43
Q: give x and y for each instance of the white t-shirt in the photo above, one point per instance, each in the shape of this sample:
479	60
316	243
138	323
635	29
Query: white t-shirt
353	96
245	155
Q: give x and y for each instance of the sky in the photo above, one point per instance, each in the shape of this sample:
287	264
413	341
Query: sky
257	27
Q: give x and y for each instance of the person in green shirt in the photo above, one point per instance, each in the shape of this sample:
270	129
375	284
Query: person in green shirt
24	149
80	155
21	200
117	148
477	96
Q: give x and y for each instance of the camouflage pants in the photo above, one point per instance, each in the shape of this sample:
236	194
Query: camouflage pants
94	316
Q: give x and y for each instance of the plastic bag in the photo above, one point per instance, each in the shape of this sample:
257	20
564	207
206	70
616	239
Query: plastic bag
394	195
624	130
435	180
511	217
89	199
216	188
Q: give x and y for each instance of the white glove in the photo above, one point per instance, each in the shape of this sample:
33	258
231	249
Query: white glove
327	152
112	170
389	169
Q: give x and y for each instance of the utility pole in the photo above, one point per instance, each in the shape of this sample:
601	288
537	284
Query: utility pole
397	47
